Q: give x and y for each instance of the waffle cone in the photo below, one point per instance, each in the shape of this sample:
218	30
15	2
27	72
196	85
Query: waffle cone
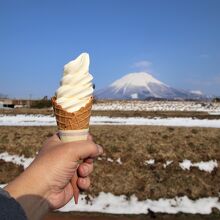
72	120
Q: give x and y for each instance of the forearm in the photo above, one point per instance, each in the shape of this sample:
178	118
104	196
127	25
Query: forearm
34	206
26	191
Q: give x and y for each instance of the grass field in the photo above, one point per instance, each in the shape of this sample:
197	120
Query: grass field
116	113
134	145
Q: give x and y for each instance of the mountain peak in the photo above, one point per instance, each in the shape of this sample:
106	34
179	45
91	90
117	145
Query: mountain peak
142	85
138	79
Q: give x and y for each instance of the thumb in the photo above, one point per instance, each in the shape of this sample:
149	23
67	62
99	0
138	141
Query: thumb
81	150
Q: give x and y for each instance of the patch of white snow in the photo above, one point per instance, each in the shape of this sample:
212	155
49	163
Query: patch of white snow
110	160
149	162
119	161
45	120
134	96
19	160
109	203
167	163
207	166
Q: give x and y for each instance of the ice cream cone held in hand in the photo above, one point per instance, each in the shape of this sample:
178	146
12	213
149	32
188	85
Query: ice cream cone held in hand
72	104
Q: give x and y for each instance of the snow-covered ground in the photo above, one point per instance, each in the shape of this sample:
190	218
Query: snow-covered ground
45	120
109	203
27	120
212	108
19	160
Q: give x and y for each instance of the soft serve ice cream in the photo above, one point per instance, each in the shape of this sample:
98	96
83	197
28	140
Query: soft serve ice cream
72	104
73	101
76	86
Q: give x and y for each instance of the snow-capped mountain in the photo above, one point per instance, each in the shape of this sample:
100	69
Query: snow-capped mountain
142	86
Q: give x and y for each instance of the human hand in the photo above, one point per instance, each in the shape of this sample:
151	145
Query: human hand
48	177
63	170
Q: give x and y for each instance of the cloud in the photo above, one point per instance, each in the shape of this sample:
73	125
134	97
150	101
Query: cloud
142	65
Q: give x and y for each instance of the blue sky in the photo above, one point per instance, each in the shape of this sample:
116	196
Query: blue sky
178	42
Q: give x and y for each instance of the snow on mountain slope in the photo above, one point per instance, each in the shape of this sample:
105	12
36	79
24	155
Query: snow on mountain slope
141	86
135	79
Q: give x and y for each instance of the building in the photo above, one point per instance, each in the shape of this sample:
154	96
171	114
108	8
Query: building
14	103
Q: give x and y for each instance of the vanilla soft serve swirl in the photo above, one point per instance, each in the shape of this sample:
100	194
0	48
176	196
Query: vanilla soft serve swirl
76	86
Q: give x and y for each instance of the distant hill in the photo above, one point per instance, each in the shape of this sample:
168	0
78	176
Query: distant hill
143	86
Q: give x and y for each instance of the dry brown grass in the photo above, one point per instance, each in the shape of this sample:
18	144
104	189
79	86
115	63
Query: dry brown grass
149	114
8	171
24	140
16	111
152	114
134	145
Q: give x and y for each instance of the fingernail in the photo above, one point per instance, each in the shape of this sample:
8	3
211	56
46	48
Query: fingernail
99	148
